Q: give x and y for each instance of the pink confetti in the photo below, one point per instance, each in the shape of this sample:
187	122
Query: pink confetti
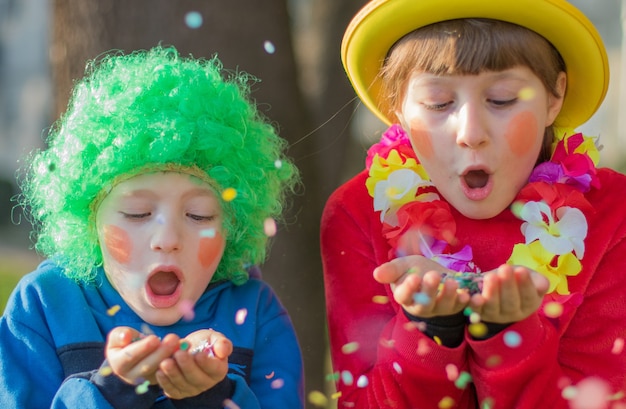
277	383
240	316
422	347
270	375
186	308
269	227
591	393
452	372
618	346
229	404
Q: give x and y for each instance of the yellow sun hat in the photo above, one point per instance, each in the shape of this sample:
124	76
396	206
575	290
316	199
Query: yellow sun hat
381	23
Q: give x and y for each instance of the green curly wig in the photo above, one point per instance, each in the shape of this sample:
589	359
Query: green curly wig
153	110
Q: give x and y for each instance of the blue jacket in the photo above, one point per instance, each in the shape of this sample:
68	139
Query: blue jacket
53	332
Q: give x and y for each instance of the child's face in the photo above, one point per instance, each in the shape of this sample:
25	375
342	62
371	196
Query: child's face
161	240
479	136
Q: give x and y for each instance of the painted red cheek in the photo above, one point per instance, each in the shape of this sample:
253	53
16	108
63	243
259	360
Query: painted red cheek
421	139
519	133
210	250
117	242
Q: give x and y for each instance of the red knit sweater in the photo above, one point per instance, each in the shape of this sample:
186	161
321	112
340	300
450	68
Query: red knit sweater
383	361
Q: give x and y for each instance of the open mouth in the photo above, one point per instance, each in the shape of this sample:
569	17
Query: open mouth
163	288
476	179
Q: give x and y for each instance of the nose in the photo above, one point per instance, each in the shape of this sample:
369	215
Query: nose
471	127
166	235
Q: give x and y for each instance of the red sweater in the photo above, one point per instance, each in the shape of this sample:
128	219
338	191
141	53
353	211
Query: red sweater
385	362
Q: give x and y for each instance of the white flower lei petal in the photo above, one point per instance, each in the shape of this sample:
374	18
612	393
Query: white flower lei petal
558	237
400	187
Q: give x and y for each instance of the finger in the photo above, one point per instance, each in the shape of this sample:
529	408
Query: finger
120	337
509	291
148	365
404	292
222	348
541	283
530	296
448	297
391	271
490	295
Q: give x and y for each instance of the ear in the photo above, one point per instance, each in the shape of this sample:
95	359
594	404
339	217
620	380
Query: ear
555	103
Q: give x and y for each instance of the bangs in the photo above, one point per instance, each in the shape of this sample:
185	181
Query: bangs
468	47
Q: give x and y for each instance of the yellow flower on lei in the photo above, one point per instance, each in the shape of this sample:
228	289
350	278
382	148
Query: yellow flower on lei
587	147
536	257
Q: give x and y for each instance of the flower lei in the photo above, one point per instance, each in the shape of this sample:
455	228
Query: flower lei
552	207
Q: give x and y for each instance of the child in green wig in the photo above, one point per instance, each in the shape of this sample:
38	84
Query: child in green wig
154	200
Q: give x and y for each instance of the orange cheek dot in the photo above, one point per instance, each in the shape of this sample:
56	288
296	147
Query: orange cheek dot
210	249
520	133
117	243
421	139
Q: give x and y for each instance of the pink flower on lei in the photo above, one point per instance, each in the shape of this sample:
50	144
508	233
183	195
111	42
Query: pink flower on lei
394	138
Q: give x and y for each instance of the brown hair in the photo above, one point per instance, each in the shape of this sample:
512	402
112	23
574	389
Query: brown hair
469	47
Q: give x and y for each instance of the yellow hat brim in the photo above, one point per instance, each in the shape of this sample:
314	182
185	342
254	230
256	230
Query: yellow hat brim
381	23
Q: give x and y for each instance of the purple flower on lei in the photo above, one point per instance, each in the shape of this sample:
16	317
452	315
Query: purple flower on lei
460	261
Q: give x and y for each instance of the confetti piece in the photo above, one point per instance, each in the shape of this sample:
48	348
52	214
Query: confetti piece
193	19
446	403
467	311
269	227
113	310
512	339
210	233
105	371
336	395
397	368
240	316
186	308
463	379
553	309
278	163
618	346
142	387
347	378
146	330
474	318
526	94
387	343
477	330
277	383
270	375
269	47
333	377
422	347
437	340
569	392
421	298
229	404
380	299
488	403
362	382
229	194
452	372
493	361
591	393
350	348
184	345
317	398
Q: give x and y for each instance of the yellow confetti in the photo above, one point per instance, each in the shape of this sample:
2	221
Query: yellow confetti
477	330
437	340
446	403
553	309
336	395
229	194
317	398
380	299
526	94
350	347
105	371
113	310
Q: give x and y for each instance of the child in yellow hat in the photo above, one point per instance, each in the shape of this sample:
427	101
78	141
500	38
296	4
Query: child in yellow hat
477	261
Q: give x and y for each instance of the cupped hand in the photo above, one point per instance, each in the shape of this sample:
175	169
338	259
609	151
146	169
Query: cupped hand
510	294
192	371
134	357
416	282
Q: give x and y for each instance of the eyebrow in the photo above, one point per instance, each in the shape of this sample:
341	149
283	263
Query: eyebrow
148	193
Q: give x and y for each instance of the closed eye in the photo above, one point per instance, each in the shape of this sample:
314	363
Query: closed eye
199	218
437	107
136	216
503	103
